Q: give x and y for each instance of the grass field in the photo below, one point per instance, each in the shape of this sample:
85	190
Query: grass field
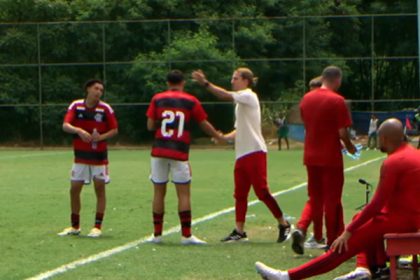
35	206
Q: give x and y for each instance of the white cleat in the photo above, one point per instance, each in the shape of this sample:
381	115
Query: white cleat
192	240
155	239
268	273
360	273
69	231
312	243
95	233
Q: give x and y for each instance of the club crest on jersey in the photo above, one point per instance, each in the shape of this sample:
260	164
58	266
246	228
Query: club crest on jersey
98	117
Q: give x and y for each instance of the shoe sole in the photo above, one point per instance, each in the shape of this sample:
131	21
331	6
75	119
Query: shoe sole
69	234
297	245
235	241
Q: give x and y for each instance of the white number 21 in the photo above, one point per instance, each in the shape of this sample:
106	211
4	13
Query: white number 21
168	117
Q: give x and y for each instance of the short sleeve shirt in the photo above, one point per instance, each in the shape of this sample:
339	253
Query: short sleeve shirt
323	112
102	118
174	111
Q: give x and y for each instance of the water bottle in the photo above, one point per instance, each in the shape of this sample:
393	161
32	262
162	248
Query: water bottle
94	143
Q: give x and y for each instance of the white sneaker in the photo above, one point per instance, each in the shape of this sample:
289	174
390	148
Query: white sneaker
69	231
360	273
155	239
95	232
192	240
269	273
312	243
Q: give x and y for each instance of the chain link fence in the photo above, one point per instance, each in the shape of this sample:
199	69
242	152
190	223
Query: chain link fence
44	65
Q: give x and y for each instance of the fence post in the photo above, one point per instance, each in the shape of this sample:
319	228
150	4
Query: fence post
40	107
372	63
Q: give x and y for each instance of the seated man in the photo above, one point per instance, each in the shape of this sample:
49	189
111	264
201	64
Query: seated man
394	208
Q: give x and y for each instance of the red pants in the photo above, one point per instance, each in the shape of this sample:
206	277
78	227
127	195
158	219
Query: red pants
325	186
365	239
250	170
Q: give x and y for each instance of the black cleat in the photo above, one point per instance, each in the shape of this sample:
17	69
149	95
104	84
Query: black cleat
298	240
284	232
235	236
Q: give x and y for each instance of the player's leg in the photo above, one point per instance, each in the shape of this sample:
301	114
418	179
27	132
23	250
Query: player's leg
333	180
364	238
312	211
79	174
100	178
258	174
241	191
279	143
181	176
287	142
159	173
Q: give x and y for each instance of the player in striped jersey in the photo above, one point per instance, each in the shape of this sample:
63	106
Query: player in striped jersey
170	114
92	122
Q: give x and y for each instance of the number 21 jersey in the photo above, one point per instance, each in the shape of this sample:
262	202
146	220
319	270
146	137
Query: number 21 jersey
173	111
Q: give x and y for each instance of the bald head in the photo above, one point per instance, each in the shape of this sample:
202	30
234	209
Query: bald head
391	135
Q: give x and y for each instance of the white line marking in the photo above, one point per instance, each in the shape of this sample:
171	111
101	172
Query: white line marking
127	246
35	155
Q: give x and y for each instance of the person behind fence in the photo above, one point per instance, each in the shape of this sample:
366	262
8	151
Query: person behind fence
417	122
282	130
394	208
326	119
170	115
372	137
251	151
315	83
92	122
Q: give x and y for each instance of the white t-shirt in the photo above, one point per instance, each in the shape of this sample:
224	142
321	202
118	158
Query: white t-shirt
373	126
248	137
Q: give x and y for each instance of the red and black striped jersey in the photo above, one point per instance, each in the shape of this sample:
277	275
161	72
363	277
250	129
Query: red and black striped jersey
102	118
174	110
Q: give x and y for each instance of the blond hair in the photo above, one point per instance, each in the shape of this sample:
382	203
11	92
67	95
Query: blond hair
247	74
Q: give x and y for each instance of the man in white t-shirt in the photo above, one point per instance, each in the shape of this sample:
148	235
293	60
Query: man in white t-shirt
250	149
373	127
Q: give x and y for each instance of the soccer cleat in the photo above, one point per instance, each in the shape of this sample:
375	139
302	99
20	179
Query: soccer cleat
312	243
69	231
235	236
155	239
95	232
298	238
381	274
360	273
192	240
284	232
269	273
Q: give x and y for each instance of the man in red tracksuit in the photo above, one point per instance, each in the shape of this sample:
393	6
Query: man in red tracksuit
326	119
394	208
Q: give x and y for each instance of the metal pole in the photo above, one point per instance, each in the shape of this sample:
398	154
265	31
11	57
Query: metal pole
372	61
418	36
304	55
103	54
41	129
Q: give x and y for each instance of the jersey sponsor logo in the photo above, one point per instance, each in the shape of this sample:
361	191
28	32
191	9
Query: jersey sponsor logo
179	103
99	117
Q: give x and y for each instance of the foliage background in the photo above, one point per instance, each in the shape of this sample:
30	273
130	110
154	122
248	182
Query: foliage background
49	48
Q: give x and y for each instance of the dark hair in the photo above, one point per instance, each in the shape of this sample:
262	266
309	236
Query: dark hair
175	77
315	82
331	73
91	82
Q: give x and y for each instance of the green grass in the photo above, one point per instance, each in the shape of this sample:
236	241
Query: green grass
35	206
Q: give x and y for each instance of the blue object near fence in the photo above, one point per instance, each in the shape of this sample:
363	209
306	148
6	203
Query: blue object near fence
361	119
296	132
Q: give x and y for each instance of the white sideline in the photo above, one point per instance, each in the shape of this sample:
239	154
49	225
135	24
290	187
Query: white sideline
93	258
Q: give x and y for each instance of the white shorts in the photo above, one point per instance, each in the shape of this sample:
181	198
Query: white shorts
161	167
86	172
